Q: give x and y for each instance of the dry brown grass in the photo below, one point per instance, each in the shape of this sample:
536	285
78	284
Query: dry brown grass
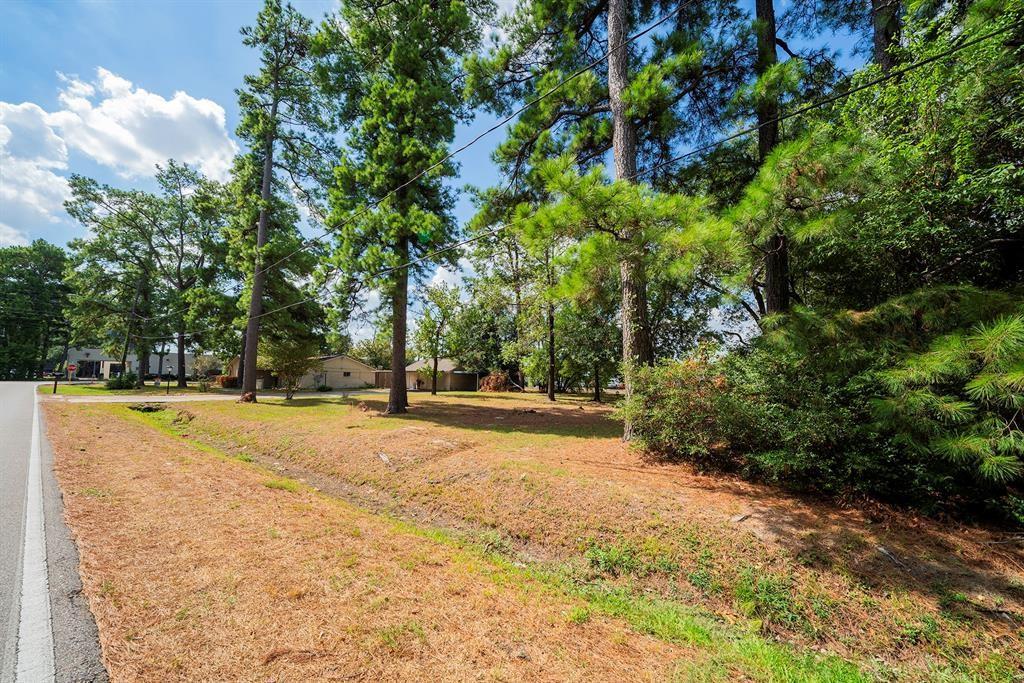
197	570
554	480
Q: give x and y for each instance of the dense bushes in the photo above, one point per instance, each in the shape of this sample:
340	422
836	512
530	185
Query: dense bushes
917	401
125	381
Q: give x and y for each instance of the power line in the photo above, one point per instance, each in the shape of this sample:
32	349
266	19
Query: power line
747	131
835	97
374	204
576	74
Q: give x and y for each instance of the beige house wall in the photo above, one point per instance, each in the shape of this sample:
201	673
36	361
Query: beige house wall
444	381
340	372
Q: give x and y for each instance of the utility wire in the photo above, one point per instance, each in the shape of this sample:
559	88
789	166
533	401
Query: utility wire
747	131
500	124
835	97
375	203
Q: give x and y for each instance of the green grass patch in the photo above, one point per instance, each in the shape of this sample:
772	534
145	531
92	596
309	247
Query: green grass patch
580	615
100	389
766	596
625	558
395	637
283	484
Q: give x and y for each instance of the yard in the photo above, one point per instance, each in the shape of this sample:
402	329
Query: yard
498	537
100	389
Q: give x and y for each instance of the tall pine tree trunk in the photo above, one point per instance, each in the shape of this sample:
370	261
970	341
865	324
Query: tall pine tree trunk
885	22
552	375
252	330
776	267
636	345
398	397
433	379
181	356
597	382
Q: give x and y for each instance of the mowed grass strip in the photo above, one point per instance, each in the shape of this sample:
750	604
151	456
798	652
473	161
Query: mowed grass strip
100	389
197	568
533	480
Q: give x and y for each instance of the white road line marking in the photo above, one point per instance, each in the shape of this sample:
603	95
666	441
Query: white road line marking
35	636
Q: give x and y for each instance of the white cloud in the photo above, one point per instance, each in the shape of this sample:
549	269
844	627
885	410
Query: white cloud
131	129
450	277
30	191
114	123
9	237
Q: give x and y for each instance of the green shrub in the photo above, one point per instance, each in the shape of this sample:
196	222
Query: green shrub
963	399
125	381
325	387
918	401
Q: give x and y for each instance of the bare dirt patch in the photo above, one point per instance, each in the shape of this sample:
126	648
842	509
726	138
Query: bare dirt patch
554	483
201	568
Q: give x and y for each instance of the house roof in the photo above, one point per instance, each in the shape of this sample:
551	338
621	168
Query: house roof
443	365
345	355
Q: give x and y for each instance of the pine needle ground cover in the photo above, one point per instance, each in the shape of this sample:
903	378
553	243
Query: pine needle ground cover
750	577
199	567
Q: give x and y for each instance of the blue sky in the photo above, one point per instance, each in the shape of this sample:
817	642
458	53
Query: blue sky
169	70
109	88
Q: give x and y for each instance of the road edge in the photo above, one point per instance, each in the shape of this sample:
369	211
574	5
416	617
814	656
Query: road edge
75	634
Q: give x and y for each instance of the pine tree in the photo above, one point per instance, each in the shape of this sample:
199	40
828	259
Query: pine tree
395	72
645	98
286	123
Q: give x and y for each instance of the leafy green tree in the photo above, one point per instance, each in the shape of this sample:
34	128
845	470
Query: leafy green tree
375	351
164	242
184	245
289	360
33	303
501	286
590	340
397	84
286	122
113	272
432	338
290	308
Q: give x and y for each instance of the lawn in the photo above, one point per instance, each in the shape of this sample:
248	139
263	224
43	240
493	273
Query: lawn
100	389
730	580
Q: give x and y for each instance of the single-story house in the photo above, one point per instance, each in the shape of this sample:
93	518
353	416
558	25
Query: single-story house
339	372
96	364
336	371
234	366
450	376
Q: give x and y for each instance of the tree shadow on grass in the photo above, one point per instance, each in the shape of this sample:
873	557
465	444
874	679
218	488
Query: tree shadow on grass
558	419
886	551
966	572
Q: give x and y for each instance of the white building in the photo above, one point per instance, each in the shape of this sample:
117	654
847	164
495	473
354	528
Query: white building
96	364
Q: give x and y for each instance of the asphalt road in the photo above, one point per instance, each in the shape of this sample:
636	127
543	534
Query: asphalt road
46	629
